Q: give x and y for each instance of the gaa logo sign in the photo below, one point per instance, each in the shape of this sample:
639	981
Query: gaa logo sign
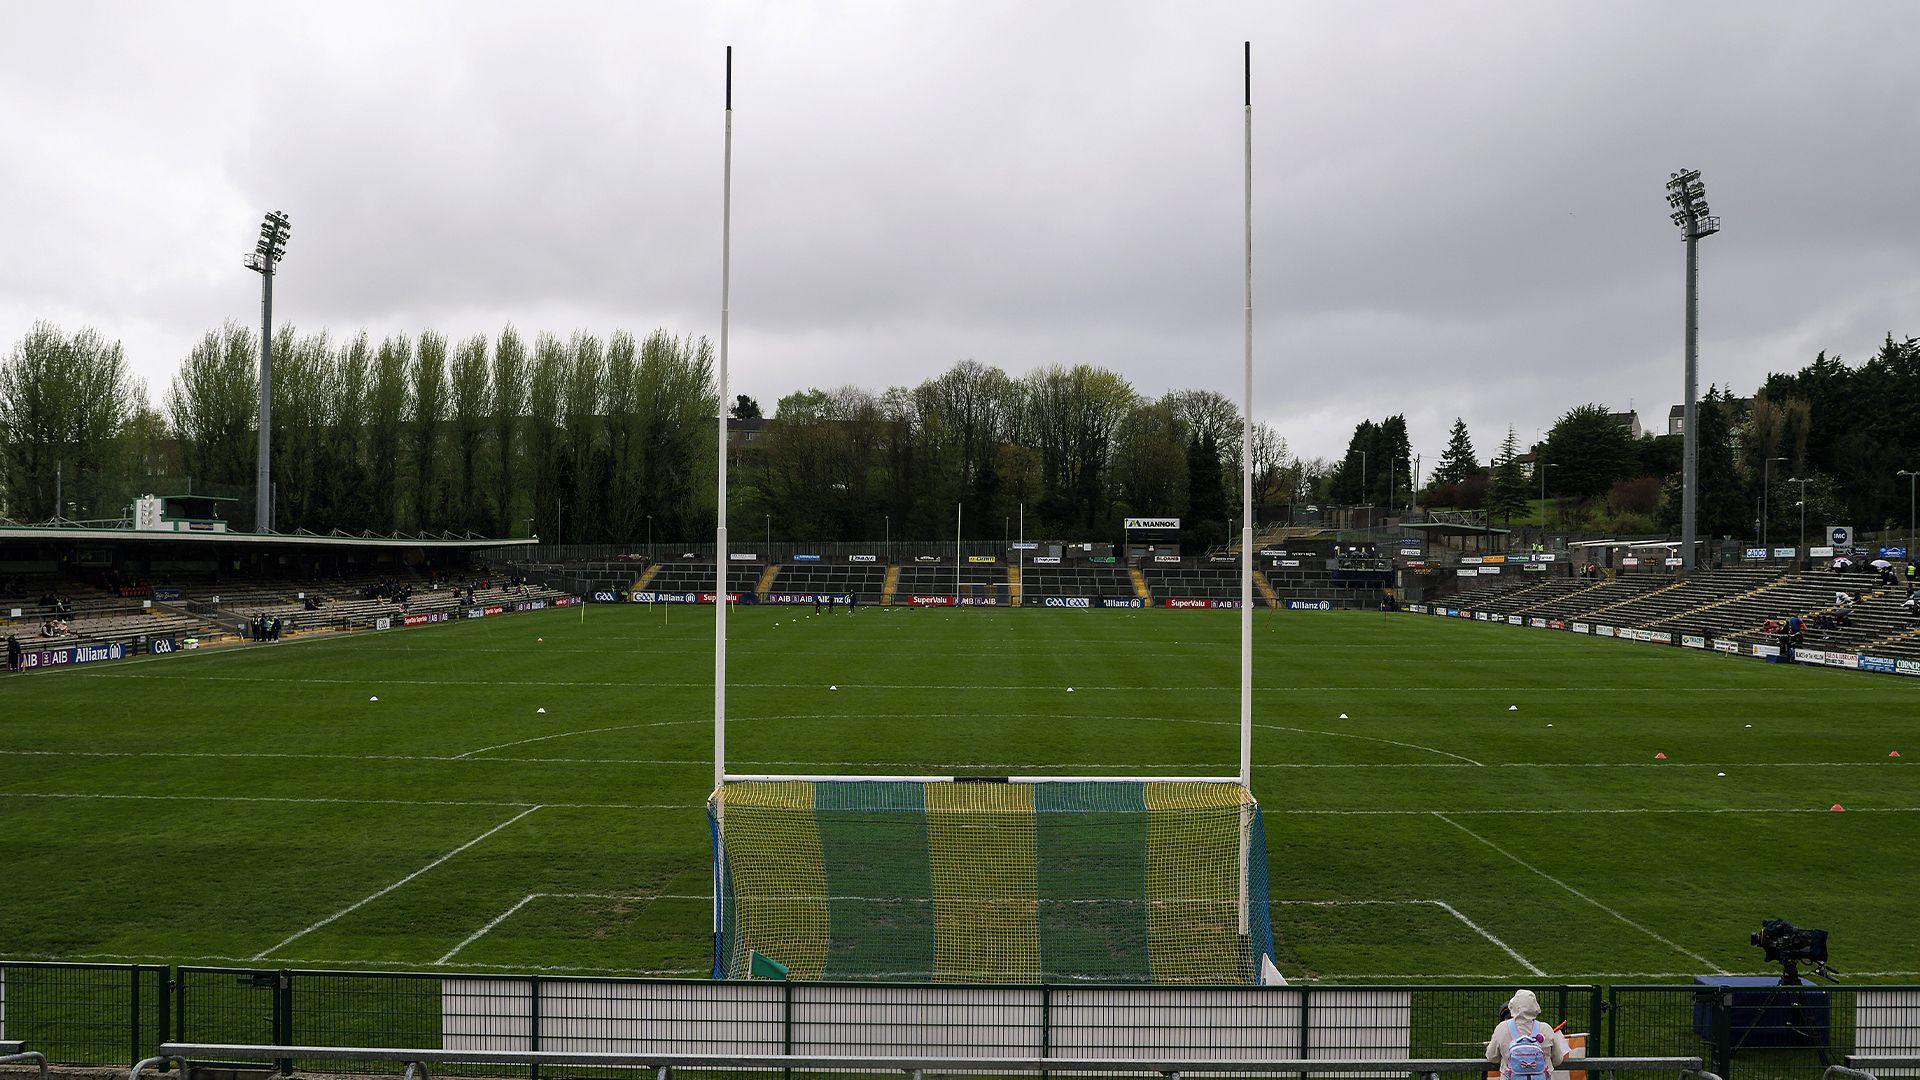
1840	535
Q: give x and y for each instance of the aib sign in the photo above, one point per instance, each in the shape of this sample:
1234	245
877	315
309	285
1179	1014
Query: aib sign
1840	535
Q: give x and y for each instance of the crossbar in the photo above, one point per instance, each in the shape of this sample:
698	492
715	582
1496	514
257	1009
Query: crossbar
664	1063
825	778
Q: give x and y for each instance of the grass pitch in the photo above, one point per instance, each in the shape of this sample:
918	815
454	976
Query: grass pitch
256	806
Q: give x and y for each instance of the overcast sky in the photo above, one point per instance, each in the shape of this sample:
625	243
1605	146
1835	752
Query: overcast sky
1458	206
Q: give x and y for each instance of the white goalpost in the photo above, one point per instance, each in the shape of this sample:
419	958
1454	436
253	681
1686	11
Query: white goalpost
1018	878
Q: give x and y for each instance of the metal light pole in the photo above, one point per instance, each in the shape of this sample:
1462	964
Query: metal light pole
1803	513
1688	198
1543	466
264	259
1766	489
1911	475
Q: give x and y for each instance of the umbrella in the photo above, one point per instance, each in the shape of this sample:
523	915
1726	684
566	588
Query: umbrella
1842	561
1879	564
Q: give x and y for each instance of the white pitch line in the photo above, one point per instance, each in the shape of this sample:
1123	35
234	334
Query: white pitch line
1517	860
698	803
1442	904
1397	688
1015	766
545	738
528	899
358	904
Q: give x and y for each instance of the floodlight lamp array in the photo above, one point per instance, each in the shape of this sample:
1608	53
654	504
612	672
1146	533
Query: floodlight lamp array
275	230
1687	195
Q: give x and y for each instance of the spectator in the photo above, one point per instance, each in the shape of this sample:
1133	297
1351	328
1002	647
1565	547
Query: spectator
13	653
1524	1048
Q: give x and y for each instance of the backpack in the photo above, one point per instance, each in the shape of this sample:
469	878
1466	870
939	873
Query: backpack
1527	1056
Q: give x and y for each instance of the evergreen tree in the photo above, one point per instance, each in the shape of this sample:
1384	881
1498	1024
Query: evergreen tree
1458	462
1508	496
1207	509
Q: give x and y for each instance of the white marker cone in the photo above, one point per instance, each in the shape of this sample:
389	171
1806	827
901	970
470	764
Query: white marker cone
541	709
1343	716
373	699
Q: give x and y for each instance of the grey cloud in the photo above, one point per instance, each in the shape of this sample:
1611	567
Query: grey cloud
1458	205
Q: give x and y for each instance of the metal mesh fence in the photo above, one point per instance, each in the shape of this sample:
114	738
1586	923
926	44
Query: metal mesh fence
84	1014
97	1014
1751	1030
637	1016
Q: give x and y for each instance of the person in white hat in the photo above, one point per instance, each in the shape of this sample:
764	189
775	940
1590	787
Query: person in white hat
1525	1048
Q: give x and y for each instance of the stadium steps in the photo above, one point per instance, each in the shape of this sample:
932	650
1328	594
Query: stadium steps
1013	586
1723	601
1552	596
1140	589
893	583
765	585
1266	589
1637	598
646	577
1904	643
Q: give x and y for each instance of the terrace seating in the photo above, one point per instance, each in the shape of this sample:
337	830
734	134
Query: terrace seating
977	582
692	576
864	581
1681	595
1595	597
1086	580
1193	582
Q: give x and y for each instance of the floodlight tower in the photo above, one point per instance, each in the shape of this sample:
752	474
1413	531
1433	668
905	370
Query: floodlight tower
1688	198
264	258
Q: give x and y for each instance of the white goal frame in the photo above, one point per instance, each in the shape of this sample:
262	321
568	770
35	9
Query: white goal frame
721	777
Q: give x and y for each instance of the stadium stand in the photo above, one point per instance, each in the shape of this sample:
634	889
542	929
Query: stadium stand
1087	580
864	581
695	576
1186	582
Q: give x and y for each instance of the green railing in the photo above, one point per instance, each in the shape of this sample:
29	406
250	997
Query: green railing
107	1014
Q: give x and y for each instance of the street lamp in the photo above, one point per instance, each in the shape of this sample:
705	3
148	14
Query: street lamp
1544	466
265	257
1910	474
1688	198
1766	490
1803	511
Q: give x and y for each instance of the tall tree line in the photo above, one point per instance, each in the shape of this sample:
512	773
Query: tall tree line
587	438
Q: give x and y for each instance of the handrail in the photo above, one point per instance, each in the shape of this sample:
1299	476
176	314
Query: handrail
417	1059
1862	1066
23	1057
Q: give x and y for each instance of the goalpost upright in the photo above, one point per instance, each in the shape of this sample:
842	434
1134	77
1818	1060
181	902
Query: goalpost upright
720	604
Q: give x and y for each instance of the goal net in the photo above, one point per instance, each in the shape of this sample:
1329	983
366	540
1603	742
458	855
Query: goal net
1024	880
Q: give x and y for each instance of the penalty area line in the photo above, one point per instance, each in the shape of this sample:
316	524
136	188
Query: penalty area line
524	901
1442	905
1525	865
358	904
